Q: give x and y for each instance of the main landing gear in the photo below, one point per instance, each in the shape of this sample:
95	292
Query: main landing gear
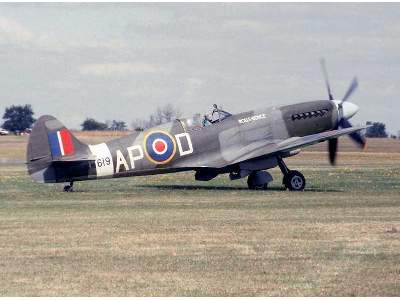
69	187
292	179
258	180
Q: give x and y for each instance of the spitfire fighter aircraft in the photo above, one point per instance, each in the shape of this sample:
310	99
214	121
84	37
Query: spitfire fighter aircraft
241	145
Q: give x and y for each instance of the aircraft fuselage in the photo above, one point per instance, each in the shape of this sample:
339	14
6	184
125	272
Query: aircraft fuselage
181	145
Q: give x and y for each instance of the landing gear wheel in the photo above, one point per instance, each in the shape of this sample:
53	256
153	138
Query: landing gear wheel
294	181
253	185
69	188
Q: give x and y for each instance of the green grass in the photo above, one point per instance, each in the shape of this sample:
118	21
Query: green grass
169	235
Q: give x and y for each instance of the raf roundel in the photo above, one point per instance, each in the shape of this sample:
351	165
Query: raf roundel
160	147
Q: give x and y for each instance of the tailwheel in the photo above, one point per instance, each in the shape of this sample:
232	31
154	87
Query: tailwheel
258	180
69	187
294	181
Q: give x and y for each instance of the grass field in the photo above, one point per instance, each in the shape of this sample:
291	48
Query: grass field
172	236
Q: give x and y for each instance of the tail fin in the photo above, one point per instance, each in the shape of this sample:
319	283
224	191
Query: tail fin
50	141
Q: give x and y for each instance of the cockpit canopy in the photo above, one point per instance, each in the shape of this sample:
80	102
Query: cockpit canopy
199	121
222	115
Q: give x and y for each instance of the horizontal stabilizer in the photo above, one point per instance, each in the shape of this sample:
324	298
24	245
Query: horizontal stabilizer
75	159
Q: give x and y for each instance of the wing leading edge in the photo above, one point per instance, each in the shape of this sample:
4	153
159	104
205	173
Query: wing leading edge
305	141
268	148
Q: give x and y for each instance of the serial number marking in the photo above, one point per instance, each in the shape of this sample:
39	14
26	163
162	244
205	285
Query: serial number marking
103	162
252	119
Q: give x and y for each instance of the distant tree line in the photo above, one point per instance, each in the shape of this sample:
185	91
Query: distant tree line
377	130
162	114
91	124
18	118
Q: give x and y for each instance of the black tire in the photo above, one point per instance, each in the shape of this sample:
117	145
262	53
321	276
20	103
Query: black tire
68	189
252	186
294	181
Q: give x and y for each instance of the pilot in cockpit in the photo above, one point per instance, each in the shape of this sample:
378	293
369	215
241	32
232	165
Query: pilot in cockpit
215	116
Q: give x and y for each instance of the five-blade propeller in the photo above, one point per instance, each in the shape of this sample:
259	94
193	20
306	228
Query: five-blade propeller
342	122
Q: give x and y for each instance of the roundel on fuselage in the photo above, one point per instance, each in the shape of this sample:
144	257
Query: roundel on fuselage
160	147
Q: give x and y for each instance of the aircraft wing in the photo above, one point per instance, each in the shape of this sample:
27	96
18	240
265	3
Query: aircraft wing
301	142
282	146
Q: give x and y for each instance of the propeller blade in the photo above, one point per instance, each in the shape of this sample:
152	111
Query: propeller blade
325	73
359	139
344	123
355	136
332	146
351	89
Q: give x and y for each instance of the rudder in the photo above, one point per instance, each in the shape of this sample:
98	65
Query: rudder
50	141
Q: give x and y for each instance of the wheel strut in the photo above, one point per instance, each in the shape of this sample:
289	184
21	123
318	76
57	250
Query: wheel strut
292	179
285	170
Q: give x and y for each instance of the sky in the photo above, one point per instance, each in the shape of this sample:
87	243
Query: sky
122	60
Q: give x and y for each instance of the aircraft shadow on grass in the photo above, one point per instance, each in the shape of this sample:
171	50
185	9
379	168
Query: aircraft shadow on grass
176	187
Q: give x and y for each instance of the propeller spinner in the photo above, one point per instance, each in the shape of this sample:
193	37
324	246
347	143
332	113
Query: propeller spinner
346	110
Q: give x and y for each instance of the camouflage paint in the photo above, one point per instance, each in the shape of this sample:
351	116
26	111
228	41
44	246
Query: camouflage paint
220	147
